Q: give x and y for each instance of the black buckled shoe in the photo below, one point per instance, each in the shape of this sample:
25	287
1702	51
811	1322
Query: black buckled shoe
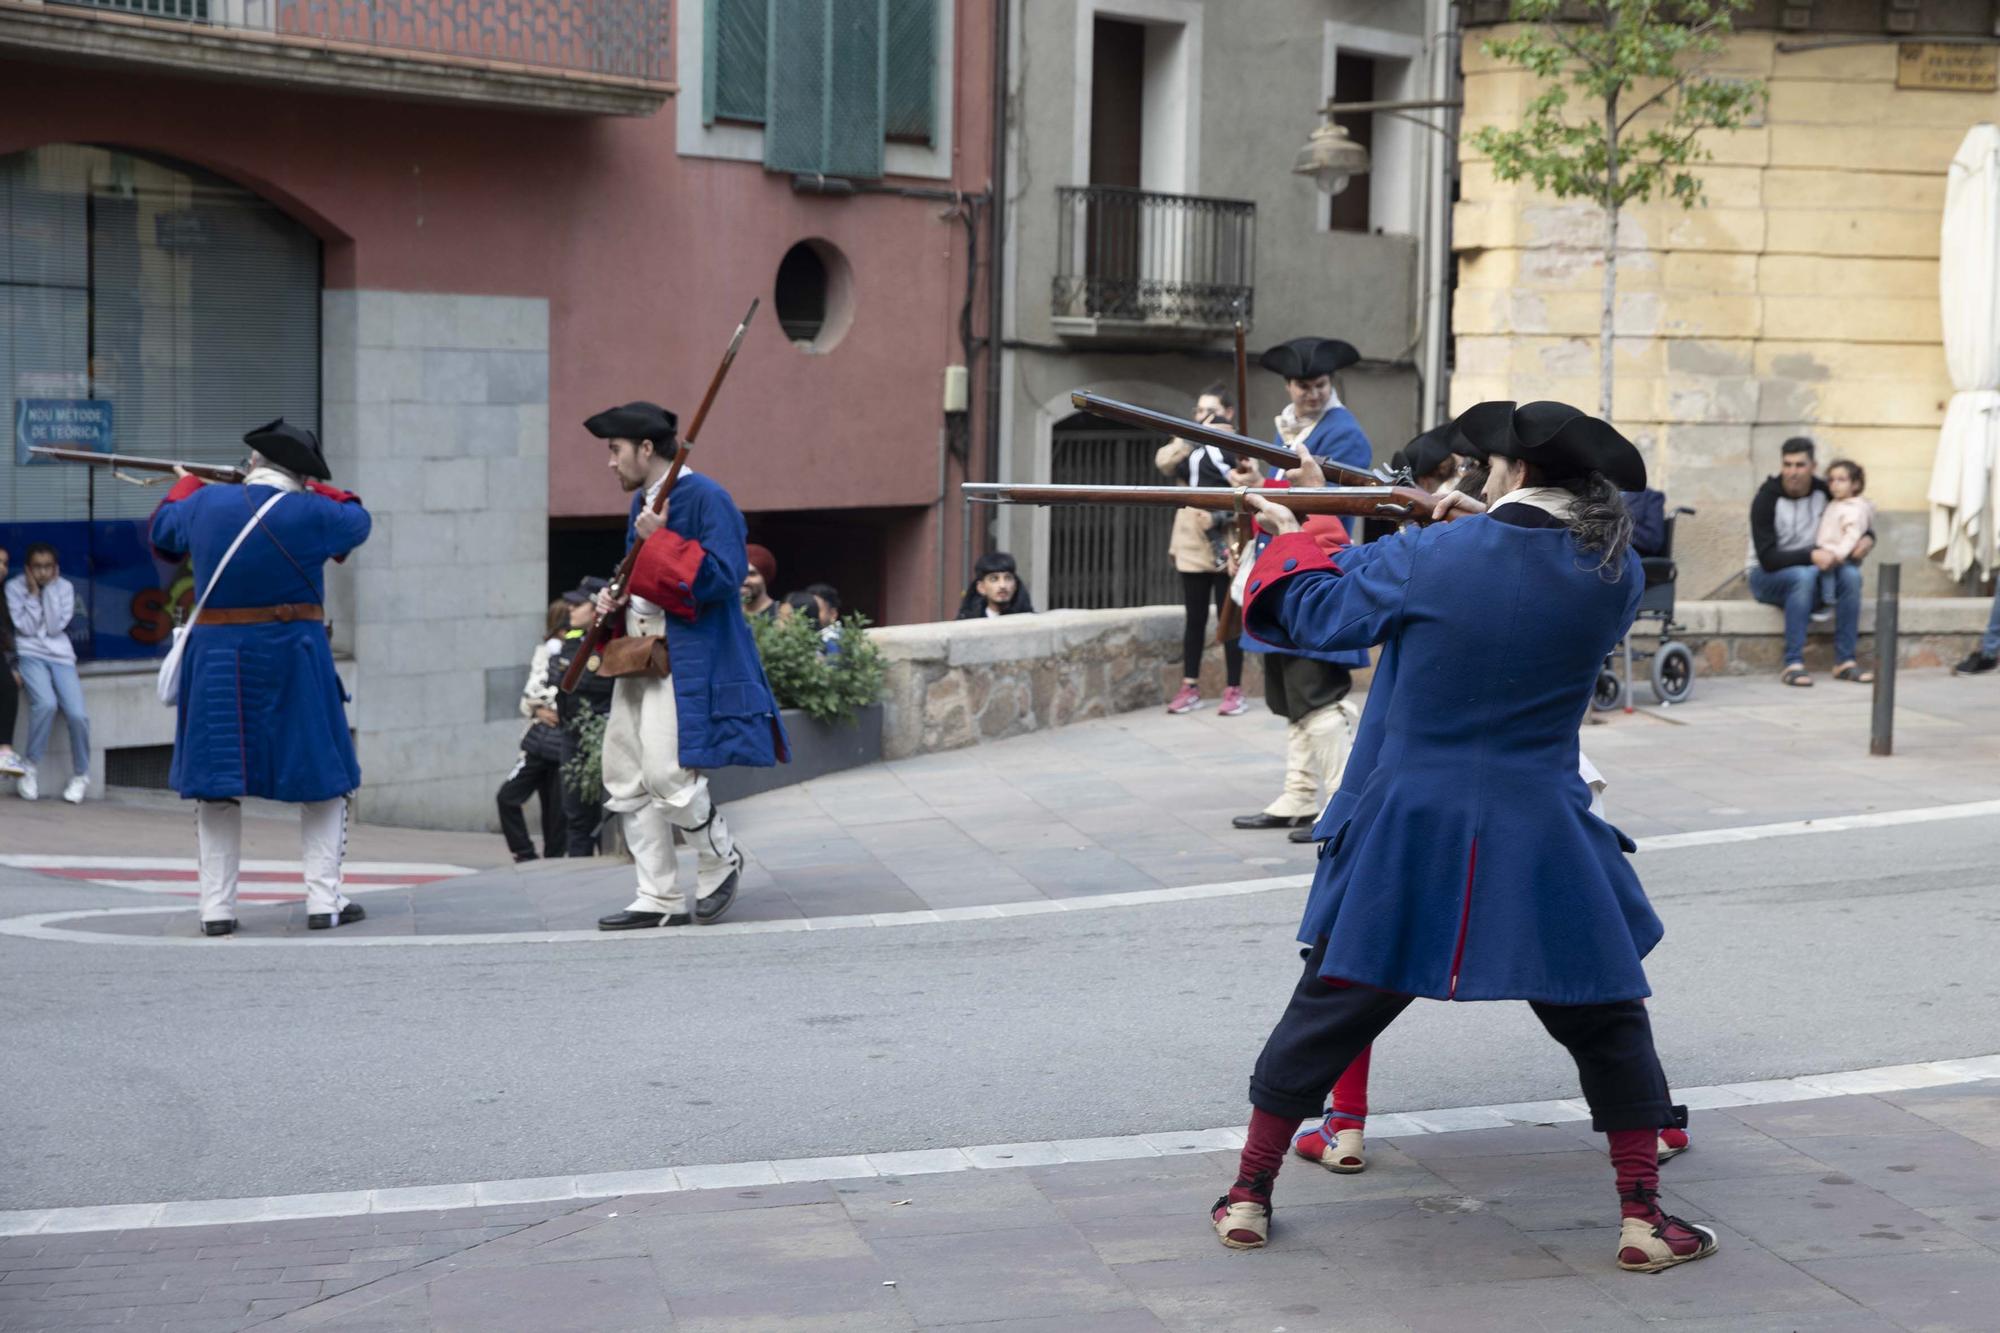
349	914
1303	833
218	927
1261	820
641	920
709	910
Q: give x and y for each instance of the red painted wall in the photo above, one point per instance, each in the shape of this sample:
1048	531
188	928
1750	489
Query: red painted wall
647	259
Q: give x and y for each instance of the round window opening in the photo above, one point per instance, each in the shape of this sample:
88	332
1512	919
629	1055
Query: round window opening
815	296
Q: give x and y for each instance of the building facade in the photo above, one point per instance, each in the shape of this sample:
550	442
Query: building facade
442	235
1151	200
1801	300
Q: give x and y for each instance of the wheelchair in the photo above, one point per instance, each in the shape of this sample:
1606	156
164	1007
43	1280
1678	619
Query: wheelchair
1672	662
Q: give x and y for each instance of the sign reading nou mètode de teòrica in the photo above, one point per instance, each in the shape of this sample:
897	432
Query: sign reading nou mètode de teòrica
1948	68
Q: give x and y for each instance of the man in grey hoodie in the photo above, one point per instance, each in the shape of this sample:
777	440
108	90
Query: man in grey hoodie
41	603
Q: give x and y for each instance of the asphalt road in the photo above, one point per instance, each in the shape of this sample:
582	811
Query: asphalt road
140	1074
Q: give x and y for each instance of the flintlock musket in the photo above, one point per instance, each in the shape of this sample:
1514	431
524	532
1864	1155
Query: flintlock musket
1277	455
119	463
1406	504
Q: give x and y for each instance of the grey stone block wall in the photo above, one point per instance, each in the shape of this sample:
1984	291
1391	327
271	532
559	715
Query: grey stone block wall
435	409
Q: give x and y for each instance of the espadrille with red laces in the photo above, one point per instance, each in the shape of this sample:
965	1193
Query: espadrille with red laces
1658	1240
1242	1217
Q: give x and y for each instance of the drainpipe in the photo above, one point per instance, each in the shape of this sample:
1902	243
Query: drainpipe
995	269
1437	224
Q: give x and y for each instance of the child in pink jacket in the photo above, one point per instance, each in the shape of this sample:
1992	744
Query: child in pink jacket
1848	516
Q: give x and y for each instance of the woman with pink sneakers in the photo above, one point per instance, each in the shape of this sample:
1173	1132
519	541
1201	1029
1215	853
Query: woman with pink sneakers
1200	551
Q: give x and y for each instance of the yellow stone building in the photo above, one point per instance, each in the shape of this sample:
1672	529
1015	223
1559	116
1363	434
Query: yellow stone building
1802	299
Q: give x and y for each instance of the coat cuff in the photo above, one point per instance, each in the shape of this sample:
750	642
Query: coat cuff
665	571
1291	554
182	489
333	493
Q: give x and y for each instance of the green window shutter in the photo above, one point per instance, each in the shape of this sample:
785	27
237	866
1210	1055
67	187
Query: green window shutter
733	61
909	97
824	89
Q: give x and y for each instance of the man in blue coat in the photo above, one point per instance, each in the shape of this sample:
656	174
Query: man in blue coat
260	710
693	698
1462	861
1307	689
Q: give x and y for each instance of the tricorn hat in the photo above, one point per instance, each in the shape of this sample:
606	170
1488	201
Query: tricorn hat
1422	456
634	421
1309	358
293	448
1565	442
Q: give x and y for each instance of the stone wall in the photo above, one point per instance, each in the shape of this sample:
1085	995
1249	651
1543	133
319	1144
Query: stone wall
1747	638
436	410
958	683
1802	299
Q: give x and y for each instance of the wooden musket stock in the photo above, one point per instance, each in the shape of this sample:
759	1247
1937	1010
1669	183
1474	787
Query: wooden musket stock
1277	455
133	463
1402	503
601	630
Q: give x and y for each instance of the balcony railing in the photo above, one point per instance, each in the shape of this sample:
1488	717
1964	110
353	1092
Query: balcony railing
1134	262
572	55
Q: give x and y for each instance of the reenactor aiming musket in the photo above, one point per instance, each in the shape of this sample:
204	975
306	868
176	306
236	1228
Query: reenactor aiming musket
1276	455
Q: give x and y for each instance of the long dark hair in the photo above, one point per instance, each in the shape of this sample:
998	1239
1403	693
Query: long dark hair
1600	522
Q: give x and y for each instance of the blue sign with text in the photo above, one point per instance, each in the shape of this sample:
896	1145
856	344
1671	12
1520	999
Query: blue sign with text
71	423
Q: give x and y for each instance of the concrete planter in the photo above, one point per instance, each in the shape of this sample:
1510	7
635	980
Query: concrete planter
818	748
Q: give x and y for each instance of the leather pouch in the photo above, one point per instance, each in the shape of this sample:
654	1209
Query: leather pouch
633	655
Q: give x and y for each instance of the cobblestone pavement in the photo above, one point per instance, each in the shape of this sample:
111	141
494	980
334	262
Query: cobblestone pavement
1847	1213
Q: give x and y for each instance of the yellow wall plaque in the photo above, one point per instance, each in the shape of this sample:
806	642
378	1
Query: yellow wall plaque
1949	68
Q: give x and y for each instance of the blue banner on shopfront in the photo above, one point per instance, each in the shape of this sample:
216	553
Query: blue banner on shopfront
71	423
123	594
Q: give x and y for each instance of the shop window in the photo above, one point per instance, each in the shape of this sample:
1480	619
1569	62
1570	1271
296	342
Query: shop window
150	308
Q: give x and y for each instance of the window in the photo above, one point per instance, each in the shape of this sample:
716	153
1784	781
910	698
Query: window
832	81
1354	81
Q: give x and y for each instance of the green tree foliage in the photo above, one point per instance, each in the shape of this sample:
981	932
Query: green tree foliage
1635	69
829	687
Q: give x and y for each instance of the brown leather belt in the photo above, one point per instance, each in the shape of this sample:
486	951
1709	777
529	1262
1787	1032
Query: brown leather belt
262	615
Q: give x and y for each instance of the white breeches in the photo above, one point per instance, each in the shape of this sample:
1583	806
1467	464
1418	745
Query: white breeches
646	785
322	844
1315	753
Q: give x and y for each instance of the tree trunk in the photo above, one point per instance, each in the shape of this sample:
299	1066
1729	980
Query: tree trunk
1607	316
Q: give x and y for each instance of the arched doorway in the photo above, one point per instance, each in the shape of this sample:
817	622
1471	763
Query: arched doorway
146	307
1108	555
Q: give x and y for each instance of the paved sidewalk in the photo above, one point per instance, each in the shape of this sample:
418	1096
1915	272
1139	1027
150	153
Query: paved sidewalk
1849	1213
1131	803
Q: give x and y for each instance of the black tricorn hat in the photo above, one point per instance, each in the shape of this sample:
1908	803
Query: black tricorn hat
1422	456
1308	358
1565	442
293	448
634	421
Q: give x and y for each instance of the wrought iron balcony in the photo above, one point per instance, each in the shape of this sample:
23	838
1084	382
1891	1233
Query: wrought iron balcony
605	57
1139	264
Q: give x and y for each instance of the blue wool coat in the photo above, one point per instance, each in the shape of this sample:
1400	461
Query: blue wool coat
1338	437
1461	860
693	568
260	710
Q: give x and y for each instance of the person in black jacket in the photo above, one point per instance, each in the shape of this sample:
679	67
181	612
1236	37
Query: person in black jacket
10	685
1785	563
537	768
583	815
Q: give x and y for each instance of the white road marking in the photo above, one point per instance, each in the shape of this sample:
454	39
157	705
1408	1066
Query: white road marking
977	1157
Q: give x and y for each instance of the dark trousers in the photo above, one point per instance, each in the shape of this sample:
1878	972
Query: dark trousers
10	703
1326	1026
1297	686
541	778
582	818
1197	591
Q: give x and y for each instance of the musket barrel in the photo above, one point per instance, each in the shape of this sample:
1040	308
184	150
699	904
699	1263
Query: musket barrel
134	463
1398	502
1145	418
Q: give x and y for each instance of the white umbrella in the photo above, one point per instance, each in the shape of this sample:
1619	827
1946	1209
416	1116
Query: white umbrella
1965	477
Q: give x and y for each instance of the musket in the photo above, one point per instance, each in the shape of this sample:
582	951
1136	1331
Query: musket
120	463
1229	622
1402	503
1277	455
601	630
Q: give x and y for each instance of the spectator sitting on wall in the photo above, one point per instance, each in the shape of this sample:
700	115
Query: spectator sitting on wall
10	685
41	603
828	598
758	577
995	590
1786	561
537	768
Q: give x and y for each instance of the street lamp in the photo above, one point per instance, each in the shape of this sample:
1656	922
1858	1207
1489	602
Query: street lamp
1333	159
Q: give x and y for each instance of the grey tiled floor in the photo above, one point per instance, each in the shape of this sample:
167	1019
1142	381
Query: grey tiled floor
1853	1213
